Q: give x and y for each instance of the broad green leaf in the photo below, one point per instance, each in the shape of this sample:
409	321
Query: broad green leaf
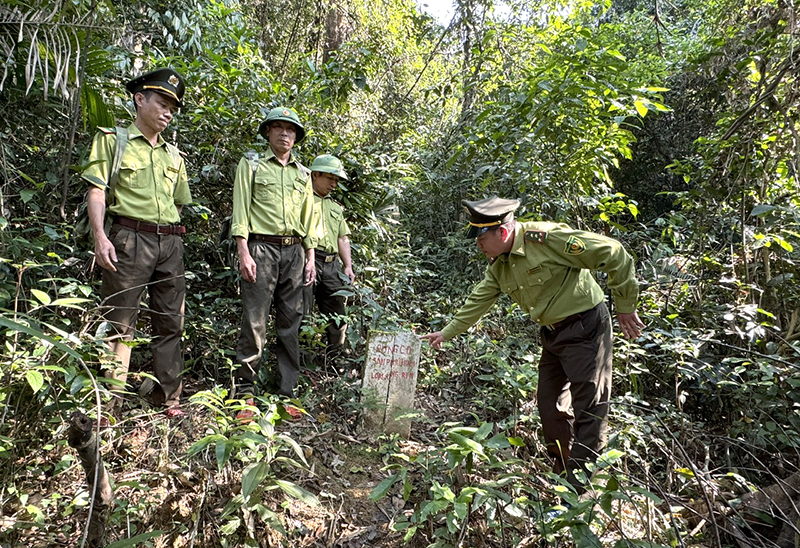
230	527
295	491
35	379
252	476
641	108
466	443
42	297
70	302
383	487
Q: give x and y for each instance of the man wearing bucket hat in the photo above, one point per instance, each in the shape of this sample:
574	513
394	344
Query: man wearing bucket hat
272	213
141	179
546	268
331	232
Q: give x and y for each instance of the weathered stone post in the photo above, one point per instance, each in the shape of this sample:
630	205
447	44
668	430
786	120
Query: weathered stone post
390	380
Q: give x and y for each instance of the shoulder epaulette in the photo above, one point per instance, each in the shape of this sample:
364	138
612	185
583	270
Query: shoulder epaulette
108	130
536	236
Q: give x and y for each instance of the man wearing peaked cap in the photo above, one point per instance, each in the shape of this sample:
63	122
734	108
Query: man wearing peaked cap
546	268
273	204
331	232
140	180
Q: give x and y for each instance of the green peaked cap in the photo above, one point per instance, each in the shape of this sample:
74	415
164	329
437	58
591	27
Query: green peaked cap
326	163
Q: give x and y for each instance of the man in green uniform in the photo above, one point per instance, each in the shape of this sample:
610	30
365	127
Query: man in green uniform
331	232
546	269
144	247
272	211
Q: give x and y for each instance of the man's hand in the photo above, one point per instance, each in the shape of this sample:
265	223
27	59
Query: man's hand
311	272
247	266
348	270
434	339
104	252
630	324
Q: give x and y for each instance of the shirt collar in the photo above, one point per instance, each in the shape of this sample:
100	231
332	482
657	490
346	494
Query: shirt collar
269	154
134	132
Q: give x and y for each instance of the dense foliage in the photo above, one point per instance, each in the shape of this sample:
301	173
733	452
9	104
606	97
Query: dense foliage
672	127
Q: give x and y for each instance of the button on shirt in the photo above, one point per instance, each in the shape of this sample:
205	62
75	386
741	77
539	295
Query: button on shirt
278	201
152	180
328	224
553	279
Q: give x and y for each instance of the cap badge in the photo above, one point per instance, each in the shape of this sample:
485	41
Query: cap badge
173	80
286	113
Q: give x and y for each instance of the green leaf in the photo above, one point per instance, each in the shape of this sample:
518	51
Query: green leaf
39	335
43	297
230	528
295	491
470	445
135	541
641	107
223	452
27	194
35	379
383	487
70	302
252	477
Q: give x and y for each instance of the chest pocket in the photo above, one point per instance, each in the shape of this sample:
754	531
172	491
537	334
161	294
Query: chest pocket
299	193
529	285
266	189
133	174
170	179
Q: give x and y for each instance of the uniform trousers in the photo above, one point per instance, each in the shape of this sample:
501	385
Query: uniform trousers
575	372
279	277
330	279
155	262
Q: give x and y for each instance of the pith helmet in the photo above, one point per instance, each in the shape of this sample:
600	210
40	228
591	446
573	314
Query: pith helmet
487	213
164	81
285	114
329	164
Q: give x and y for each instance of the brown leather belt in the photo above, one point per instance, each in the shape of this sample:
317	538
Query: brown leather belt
141	226
277	240
568	320
325	256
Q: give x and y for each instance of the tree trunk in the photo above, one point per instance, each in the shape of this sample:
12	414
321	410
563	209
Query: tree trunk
82	438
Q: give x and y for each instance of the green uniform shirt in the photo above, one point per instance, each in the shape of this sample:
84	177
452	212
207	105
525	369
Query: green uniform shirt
152	179
328	224
278	201
548	274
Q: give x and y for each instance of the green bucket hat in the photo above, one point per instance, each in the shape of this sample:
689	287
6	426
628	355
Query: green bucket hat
326	163
285	114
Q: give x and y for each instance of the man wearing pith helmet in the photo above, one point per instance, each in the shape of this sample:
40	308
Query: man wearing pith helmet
272	213
331	232
147	187
546	268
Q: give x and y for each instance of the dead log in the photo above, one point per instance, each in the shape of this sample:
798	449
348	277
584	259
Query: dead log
82	438
775	509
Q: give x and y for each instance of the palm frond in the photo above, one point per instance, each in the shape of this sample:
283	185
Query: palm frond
48	38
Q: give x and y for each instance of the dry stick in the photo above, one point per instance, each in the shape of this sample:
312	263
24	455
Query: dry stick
699	483
85	441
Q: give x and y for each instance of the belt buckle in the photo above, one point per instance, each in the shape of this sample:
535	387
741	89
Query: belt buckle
287	240
330	258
